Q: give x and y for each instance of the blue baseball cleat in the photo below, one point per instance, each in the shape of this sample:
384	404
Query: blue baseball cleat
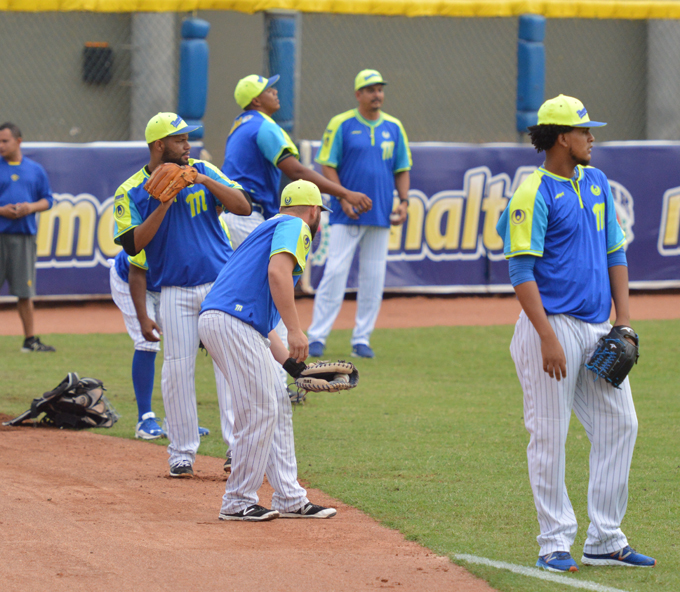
202	432
558	561
316	349
626	556
361	350
148	428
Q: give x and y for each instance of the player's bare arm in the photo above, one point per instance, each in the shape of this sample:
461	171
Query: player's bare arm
232	199
278	349
402	182
294	170
554	360
347	207
280	273
618	280
137	283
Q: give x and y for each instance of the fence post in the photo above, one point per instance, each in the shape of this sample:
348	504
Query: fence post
530	70
193	74
283	42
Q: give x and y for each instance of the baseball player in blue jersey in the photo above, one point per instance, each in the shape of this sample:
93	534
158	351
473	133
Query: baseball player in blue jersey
257	151
252	293
567	262
185	248
367	150
24	191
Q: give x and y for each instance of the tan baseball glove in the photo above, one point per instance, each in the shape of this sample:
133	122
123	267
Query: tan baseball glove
168	180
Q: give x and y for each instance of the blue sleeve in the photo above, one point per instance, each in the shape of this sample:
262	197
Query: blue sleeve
210	170
617	257
615	236
522	269
44	191
271	141
402	159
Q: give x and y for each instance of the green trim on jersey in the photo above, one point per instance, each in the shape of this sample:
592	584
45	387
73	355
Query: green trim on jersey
524	202
121	203
403	133
290	145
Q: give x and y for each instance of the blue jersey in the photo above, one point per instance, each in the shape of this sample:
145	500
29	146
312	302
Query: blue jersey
122	264
190	246
254	146
367	155
570	225
242	288
21	182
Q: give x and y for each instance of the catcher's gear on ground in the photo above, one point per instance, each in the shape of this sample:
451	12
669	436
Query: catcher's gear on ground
75	403
328	377
168	180
615	356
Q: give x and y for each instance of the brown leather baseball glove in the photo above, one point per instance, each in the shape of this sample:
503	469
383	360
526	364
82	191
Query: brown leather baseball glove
168	180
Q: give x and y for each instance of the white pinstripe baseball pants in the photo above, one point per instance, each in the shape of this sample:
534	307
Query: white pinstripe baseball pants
608	416
263	416
120	292
373	243
180	307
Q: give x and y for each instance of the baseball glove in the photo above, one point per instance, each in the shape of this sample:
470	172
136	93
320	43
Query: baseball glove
168	180
615	356
327	377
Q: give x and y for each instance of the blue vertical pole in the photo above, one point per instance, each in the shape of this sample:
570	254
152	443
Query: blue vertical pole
193	74
282	48
530	70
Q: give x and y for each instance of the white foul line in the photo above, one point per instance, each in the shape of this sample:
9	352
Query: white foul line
534	572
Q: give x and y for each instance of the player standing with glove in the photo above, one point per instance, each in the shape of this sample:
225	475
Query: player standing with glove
185	247
567	263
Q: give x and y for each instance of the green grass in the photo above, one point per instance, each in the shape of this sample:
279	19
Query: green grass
432	443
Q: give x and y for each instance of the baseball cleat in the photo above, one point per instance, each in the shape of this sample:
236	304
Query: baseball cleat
227	463
626	556
33	344
310	510
558	561
316	349
148	428
202	432
361	350
182	469
252	513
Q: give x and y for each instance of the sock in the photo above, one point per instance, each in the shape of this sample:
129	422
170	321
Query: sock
143	371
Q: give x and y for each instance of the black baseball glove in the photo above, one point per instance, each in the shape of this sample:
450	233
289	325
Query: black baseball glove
615	356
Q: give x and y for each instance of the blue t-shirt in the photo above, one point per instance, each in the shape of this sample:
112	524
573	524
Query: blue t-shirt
254	146
367	155
570	226
190	247
22	182
242	288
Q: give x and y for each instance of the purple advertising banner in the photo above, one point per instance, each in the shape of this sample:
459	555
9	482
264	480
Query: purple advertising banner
448	244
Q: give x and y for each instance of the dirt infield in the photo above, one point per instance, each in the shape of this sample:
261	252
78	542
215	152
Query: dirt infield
418	311
85	512
81	511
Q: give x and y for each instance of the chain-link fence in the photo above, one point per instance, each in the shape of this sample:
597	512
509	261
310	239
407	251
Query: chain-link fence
82	77
450	79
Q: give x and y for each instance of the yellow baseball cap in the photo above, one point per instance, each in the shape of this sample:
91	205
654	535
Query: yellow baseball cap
302	193
250	87
367	78
163	125
563	110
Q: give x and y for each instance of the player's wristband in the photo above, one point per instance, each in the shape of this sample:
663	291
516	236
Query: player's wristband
401	201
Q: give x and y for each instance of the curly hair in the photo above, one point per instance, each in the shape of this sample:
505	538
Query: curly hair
543	137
